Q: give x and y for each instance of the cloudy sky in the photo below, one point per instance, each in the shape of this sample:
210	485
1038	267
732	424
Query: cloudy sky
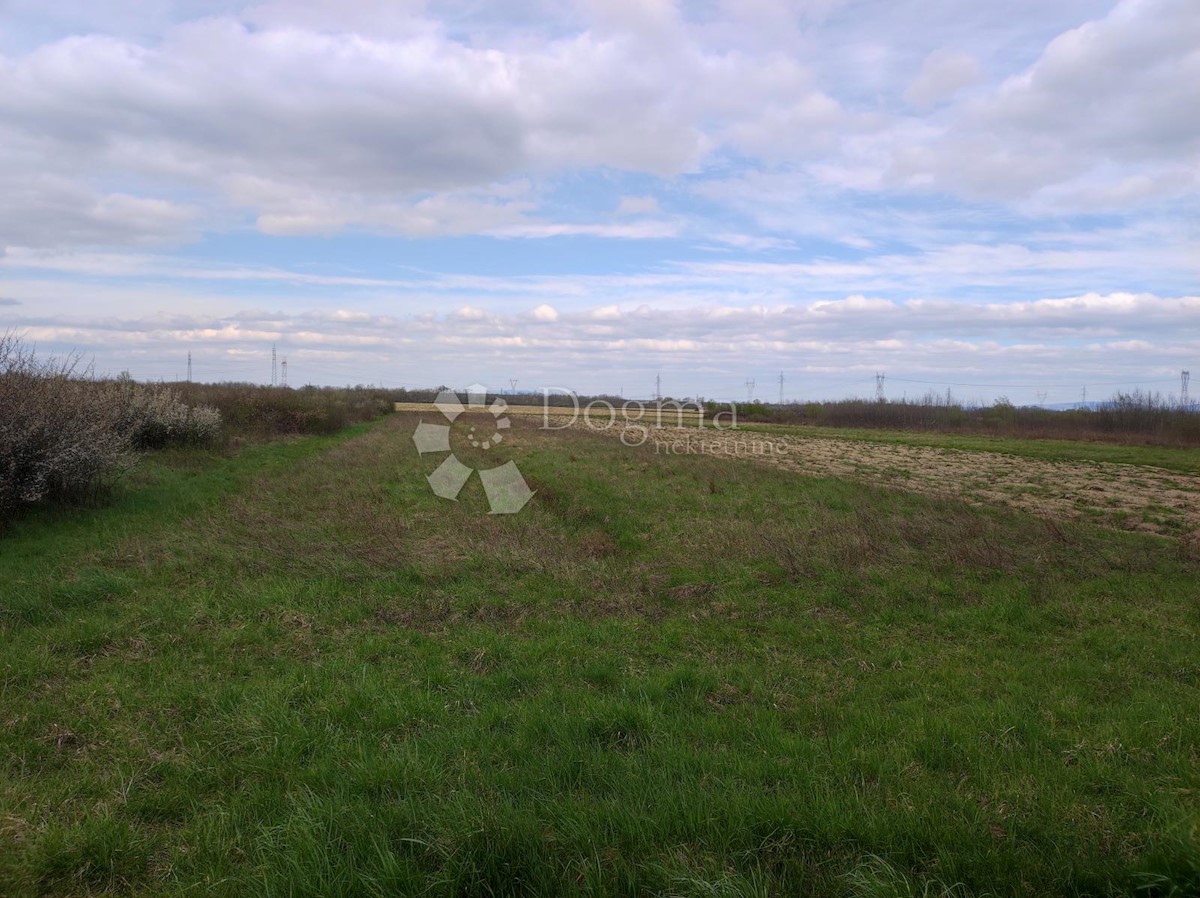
999	196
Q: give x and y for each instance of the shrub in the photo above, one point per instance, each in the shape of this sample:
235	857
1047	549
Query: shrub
256	411
154	417
64	435
58	438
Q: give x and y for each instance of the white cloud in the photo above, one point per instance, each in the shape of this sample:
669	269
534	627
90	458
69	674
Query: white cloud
1106	340
315	132
751	242
943	74
638	205
1102	97
43	209
391	18
879	180
633	230
326	116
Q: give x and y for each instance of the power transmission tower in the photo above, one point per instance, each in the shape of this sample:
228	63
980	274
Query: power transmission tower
1041	397
1084	403
284	370
512	382
781	388
879	379
749	389
658	388
189	367
1184	377
274	368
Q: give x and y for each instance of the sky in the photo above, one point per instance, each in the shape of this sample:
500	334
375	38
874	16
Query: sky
995	197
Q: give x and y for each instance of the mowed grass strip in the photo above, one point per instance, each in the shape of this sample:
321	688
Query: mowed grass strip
298	672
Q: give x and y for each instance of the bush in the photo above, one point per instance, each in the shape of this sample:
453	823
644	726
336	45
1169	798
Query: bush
64	435
255	411
58	438
154	417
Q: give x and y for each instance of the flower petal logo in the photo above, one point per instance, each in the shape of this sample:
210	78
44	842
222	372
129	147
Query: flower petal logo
506	489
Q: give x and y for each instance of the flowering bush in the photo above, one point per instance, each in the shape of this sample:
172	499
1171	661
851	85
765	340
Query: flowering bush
64	434
154	417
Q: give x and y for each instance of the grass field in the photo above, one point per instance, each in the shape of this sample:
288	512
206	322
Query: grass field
295	671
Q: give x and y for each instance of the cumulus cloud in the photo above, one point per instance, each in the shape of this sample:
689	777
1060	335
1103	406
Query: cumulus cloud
317	130
708	182
324	116
1115	85
1103	99
943	74
45	209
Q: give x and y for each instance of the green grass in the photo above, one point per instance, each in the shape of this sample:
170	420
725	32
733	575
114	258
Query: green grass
297	672
1171	459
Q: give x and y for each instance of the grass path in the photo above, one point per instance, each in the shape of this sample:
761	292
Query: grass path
299	673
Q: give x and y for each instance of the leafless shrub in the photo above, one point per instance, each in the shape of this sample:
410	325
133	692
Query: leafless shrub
250	410
64	435
56	439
